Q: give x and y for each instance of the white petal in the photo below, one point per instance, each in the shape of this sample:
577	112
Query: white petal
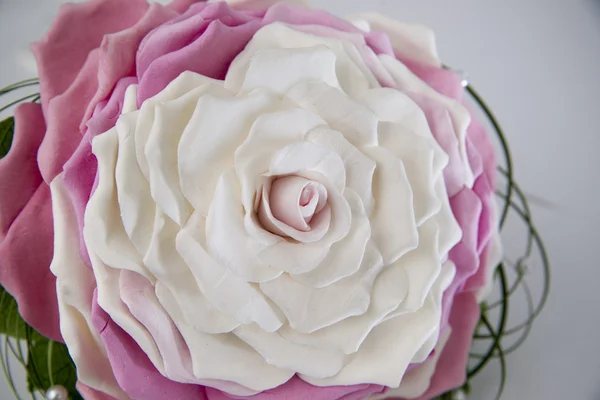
389	290
306	156
280	69
170	120
138	294
408	82
418	159
412	41
352	73
422	266
425	351
235	368
390	347
183	84
281	353
359	168
75	285
130	100
308	309
135	202
207	316
390	293
416	381
391	105
450	230
393	220
109	299
354	43
269	133
294	258
176	286
227	239
357	122
226	291
103	229
361	24
344	257
231	361
208	144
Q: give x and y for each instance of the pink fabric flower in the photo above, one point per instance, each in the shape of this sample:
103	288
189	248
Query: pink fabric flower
112	44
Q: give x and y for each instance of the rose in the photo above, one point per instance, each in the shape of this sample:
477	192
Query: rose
295	148
107	110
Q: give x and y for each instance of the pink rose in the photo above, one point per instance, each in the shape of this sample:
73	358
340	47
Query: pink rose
84	93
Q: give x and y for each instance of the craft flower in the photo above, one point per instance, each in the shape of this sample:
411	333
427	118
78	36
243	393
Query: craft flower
266	201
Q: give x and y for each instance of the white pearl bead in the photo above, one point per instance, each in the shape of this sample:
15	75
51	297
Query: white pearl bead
459	395
464	76
57	393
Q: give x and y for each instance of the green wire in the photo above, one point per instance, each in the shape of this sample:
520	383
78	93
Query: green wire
503	319
501	356
50	374
19	85
31	96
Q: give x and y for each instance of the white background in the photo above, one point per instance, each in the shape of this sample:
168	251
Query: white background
537	63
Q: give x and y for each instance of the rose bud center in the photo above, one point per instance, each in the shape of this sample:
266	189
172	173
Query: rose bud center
294	203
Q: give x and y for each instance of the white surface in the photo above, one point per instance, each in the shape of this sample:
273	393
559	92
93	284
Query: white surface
537	63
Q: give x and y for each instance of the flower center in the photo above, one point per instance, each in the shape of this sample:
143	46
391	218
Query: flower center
292	204
312	200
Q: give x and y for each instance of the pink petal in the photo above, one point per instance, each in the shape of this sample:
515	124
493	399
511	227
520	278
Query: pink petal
287	13
90	394
77	30
466	206
182	5
133	370
296	388
25	256
63	116
118	53
19	172
80	170
451	368
485	231
480	139
486	222
183	30
220	42
294	15
442	128
26	224
480	279
138	294
445	81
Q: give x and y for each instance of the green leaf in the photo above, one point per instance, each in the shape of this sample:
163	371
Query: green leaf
11	323
49	364
7	128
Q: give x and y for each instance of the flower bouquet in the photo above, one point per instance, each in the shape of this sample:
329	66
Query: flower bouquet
250	200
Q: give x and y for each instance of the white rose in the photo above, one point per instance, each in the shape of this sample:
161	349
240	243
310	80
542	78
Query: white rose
291	219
